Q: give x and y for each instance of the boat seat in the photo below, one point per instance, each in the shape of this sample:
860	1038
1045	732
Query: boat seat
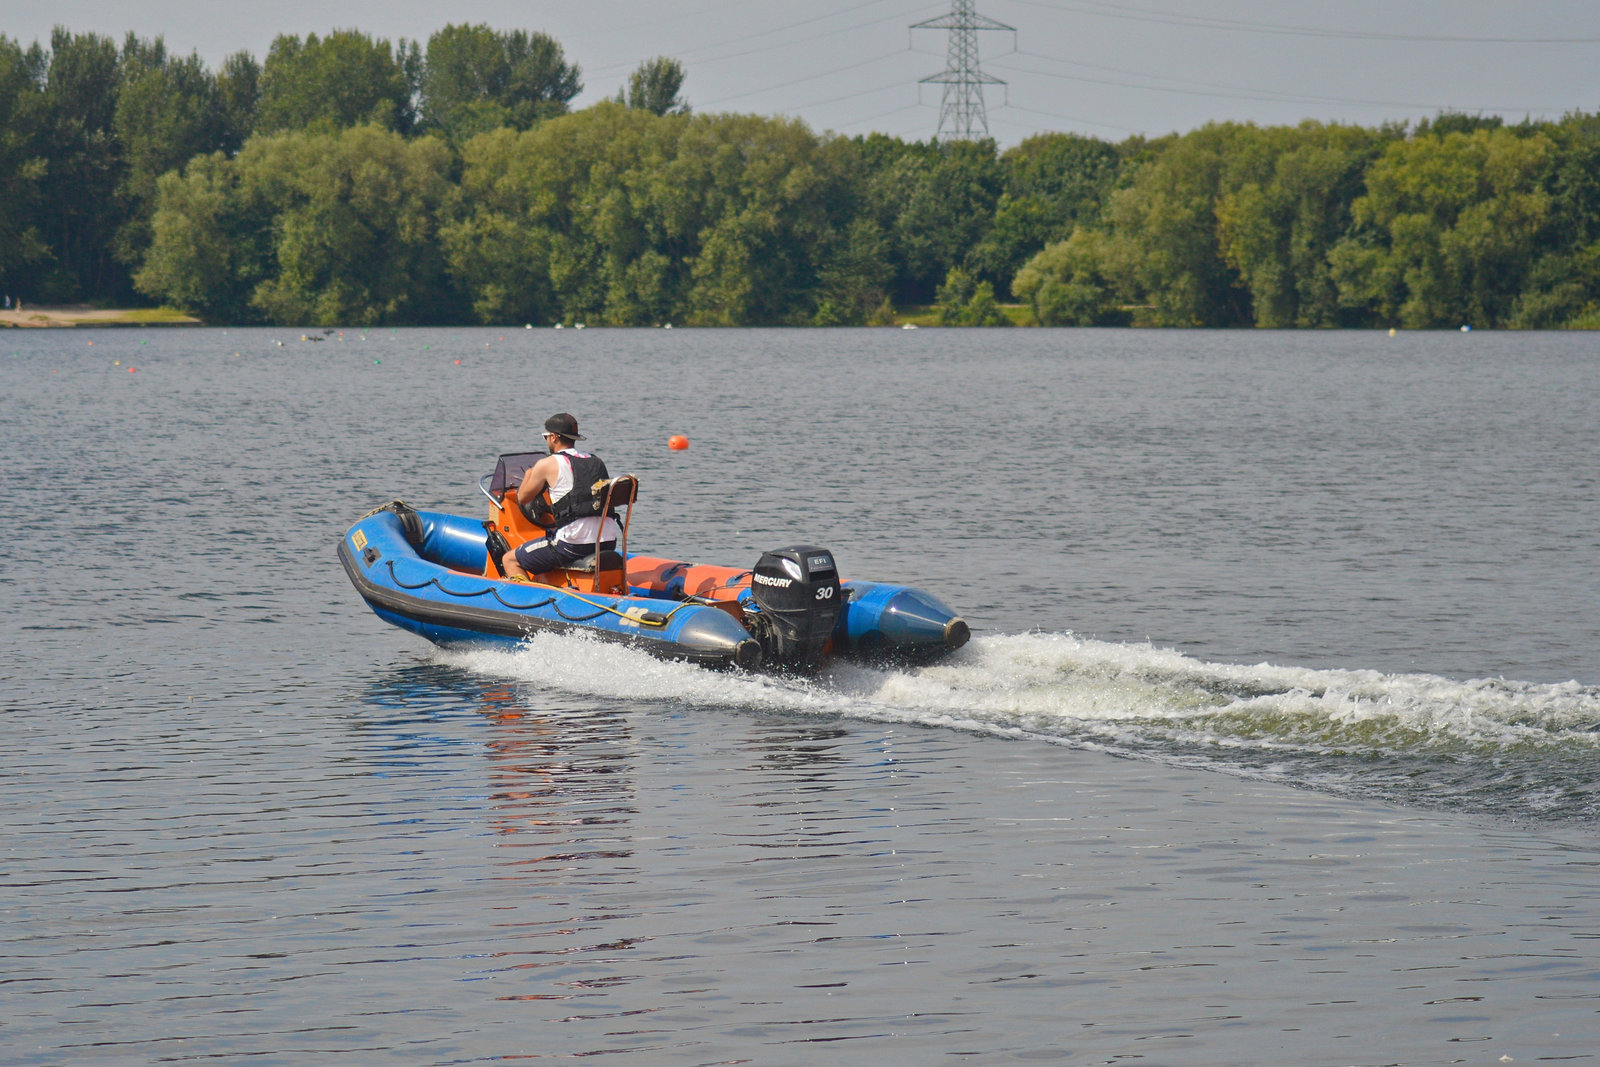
623	491
608	561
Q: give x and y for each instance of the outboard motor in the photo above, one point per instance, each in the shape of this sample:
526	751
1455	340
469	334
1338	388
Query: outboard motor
796	591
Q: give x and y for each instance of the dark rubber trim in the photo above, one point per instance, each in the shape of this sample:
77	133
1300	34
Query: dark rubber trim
499	623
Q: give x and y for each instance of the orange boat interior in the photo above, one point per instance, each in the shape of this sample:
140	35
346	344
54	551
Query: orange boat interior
605	577
666	579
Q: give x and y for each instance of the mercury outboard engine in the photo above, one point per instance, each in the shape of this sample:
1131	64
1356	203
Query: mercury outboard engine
796	591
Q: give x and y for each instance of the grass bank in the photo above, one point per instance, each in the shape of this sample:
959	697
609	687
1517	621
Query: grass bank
928	315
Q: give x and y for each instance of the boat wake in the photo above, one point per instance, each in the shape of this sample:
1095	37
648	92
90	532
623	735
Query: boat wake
1491	745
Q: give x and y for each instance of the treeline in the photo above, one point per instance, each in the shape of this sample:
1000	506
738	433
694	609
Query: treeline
347	181
88	128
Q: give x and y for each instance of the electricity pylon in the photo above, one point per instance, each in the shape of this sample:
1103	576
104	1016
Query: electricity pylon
961	113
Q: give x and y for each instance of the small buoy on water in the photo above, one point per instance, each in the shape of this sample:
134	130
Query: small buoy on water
677	442
1391	331
528	326
132	369
458	363
116	363
377	361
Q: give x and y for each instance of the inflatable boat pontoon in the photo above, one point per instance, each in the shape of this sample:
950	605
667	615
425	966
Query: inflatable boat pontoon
437	575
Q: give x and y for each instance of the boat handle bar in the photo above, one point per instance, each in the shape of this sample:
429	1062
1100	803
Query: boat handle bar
485	491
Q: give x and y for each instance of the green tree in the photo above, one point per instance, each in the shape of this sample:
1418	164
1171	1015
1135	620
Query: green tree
1068	283
499	246
855	276
477	79
1285	202
1447	229
655	87
355	227
167	112
1053	183
238	96
79	213
1563	287
1021	226
334	82
775	199
964	300
1165	230
940	202
617	215
308	228
558	221
211	243
1447	122
23	249
1563	291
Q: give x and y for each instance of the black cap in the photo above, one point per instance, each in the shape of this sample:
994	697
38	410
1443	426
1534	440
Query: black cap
564	425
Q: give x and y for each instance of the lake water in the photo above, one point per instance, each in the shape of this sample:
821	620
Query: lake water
1276	741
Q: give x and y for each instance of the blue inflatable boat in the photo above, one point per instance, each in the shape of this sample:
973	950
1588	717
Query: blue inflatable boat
435	575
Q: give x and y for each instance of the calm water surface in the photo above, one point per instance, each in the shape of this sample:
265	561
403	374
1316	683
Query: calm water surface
1276	743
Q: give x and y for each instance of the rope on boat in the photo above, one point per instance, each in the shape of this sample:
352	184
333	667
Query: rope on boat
651	618
547	602
390	506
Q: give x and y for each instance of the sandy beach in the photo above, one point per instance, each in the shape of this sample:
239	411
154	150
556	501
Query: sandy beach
84	315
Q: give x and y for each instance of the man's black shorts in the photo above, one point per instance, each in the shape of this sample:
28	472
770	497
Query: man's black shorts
537	557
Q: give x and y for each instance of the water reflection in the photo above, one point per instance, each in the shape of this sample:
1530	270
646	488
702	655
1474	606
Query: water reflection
562	781
559	778
805	752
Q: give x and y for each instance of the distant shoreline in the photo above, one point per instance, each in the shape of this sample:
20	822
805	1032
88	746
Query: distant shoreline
57	316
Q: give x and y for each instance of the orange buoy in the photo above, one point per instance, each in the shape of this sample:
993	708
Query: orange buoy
677	442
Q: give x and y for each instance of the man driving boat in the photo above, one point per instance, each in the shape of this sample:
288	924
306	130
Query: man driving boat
573	522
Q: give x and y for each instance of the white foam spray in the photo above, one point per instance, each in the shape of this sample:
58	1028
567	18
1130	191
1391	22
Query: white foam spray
1124	697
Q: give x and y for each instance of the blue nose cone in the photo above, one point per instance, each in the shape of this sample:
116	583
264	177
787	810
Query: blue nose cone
886	621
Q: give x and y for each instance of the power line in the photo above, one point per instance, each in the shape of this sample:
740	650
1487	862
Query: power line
1065	118
881	115
851	96
801	40
807	78
1240	92
1141	14
961	112
689	54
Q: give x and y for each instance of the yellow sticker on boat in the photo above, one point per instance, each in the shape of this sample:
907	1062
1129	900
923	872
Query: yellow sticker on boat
359	539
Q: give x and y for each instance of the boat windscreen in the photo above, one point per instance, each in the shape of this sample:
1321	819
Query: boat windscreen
509	471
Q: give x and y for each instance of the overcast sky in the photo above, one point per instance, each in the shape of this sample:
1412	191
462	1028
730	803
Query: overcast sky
1107	69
